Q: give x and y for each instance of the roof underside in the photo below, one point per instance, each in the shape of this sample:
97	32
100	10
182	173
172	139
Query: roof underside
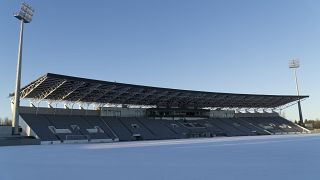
54	87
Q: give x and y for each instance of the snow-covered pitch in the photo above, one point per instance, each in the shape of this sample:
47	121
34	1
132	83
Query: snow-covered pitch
263	157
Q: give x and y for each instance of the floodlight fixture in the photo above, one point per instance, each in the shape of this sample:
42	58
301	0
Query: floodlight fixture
294	63
25	14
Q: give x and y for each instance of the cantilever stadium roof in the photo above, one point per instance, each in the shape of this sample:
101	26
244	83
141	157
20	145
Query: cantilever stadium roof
54	87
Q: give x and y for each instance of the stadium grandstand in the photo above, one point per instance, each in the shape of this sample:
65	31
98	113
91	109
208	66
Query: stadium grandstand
111	111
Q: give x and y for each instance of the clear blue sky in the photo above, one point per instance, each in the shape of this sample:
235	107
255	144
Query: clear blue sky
221	46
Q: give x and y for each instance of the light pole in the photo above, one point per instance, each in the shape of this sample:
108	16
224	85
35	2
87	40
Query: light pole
25	16
295	64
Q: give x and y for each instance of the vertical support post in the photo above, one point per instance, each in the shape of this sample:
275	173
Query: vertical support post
300	114
15	119
296	79
298	93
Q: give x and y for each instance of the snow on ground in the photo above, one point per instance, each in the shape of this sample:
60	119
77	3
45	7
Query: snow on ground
264	157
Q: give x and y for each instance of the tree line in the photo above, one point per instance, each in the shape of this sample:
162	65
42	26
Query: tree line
5	122
315	123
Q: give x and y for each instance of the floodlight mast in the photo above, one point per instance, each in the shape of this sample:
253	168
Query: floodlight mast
25	16
295	64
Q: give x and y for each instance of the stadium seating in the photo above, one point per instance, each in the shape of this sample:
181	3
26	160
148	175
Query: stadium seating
159	129
121	131
88	128
97	122
40	126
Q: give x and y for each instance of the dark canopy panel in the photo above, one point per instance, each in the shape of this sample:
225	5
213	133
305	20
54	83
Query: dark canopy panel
56	87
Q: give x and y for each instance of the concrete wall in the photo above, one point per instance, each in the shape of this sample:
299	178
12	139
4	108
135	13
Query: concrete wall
26	129
130	112
18	141
123	112
5	131
256	115
58	111
222	114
